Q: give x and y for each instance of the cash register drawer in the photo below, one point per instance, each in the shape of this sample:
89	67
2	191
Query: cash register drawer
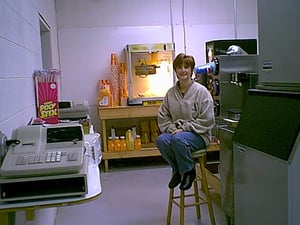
55	186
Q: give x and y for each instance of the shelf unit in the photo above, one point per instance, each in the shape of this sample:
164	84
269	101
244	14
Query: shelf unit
126	112
132	113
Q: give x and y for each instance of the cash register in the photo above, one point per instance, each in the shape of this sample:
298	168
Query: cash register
44	161
73	110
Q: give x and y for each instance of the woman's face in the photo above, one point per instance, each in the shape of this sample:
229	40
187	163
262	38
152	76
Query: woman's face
183	72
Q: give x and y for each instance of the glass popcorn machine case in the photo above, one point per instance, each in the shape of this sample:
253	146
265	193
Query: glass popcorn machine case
150	72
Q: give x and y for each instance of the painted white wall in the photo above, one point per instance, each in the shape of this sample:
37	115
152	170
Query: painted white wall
20	48
89	31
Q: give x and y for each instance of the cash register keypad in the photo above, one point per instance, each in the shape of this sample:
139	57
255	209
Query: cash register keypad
48	157
53	156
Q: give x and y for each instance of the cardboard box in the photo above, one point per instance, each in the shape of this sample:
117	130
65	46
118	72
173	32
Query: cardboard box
47	95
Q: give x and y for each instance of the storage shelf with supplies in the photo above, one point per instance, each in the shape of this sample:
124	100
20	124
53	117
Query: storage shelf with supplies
132	115
129	115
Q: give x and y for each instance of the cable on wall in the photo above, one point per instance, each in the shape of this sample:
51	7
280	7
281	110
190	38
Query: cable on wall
171	20
183	26
183	23
235	18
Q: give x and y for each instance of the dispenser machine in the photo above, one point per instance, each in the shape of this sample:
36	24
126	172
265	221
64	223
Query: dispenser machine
150	72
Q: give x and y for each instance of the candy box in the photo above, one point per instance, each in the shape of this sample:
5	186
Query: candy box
47	95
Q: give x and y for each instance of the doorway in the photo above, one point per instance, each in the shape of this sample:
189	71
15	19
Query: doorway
45	30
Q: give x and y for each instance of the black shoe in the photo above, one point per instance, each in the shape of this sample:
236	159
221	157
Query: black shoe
187	180
175	180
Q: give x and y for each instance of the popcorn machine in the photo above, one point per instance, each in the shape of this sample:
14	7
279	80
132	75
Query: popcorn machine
150	72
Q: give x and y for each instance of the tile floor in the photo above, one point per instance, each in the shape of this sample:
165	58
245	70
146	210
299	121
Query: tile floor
134	195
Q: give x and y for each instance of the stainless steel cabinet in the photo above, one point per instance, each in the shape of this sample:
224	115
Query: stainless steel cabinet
226	172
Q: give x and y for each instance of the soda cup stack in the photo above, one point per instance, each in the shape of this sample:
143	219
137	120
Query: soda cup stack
114	79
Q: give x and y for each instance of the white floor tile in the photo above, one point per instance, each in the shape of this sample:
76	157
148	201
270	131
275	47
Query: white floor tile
135	196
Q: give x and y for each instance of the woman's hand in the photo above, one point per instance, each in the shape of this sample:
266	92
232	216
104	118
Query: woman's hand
176	131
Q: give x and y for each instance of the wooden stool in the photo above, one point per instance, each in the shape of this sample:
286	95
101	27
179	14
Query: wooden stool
200	156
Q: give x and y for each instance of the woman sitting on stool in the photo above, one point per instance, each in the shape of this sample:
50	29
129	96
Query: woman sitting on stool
185	118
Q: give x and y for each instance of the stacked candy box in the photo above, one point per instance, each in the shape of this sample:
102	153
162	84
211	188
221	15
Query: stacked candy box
46	85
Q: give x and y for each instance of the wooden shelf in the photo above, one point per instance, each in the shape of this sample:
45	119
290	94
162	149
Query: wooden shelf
131	154
214	147
143	153
126	112
213	180
135	112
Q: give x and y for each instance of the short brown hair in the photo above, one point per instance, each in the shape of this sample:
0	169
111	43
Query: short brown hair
185	60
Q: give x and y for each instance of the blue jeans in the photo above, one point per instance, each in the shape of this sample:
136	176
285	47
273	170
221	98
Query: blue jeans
177	149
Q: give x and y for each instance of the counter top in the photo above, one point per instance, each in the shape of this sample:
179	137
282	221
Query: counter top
94	191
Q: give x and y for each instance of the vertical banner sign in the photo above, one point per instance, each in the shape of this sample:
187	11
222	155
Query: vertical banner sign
47	95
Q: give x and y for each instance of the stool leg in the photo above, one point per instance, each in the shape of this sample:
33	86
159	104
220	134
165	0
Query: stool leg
205	184
197	201
182	205
169	213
